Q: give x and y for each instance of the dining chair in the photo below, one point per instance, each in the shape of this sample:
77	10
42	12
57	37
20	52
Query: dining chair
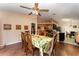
52	46
29	44
22	39
43	33
24	42
30	47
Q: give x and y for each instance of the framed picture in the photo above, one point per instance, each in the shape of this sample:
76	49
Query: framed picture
7	26
18	27
25	27
74	26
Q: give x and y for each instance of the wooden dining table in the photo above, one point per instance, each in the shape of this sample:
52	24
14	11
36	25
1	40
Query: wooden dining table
41	42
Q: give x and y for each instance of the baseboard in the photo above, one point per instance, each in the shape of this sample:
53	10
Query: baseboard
72	44
13	43
2	46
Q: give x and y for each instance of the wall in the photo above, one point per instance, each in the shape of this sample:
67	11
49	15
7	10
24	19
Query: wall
66	26
0	35
13	35
40	19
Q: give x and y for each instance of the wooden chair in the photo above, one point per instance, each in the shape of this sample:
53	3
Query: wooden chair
53	46
24	42
29	43
30	47
43	33
22	39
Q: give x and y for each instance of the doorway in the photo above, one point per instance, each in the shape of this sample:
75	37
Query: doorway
33	25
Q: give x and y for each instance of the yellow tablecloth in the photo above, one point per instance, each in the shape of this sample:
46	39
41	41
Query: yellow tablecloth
41	42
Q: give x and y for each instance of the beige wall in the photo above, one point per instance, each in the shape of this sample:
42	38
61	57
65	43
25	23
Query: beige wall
0	35
40	19
43	20
13	35
65	26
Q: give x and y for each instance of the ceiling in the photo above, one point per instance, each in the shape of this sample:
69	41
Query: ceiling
62	10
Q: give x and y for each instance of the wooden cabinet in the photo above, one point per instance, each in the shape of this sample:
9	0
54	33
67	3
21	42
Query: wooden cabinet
47	26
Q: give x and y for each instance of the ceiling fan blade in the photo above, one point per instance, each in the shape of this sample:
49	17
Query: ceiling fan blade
26	7
39	14
43	10
30	13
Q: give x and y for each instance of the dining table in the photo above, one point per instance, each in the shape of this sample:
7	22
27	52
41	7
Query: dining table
43	43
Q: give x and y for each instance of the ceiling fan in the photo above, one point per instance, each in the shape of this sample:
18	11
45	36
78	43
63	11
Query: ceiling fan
35	9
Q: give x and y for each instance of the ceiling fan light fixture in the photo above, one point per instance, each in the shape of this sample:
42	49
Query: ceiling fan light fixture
35	12
35	9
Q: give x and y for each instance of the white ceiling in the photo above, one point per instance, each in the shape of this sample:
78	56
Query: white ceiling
62	10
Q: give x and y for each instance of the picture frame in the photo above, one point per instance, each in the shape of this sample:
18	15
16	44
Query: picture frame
25	27
7	26
74	26
18	27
